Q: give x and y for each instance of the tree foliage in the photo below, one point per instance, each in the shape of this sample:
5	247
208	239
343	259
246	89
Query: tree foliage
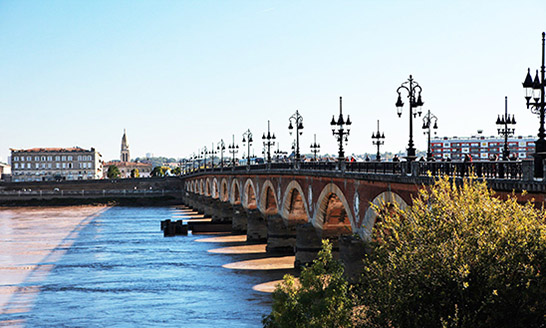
113	172
319	299
159	171
458	257
177	170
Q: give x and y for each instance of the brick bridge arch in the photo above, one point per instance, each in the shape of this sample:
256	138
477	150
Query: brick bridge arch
215	193
333	215
224	190
294	208
268	203
235	195
250	198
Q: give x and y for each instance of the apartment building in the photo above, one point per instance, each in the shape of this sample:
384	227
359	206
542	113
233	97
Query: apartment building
55	164
482	147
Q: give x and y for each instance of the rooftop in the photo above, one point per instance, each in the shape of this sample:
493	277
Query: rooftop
52	149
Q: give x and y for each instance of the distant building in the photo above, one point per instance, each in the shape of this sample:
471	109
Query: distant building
5	171
481	147
55	164
125	165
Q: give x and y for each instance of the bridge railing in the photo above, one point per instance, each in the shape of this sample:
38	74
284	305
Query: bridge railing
490	170
511	170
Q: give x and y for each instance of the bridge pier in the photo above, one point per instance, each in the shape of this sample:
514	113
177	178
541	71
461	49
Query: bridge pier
308	244
221	212
281	239
256	231
239	220
352	251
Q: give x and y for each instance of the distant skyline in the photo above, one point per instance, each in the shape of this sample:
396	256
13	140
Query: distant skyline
180	75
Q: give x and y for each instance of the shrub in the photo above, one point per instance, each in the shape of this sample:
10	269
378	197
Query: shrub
458	257
321	298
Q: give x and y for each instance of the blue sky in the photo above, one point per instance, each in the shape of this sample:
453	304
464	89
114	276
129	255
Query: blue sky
179	75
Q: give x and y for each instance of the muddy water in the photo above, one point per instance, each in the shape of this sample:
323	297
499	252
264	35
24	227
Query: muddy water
112	267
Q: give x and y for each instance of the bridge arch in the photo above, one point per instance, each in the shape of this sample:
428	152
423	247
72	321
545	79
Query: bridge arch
268	199
235	197
387	197
294	208
214	193
201	187
333	215
207	187
224	191
249	198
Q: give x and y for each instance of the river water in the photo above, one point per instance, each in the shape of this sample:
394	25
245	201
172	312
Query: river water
112	267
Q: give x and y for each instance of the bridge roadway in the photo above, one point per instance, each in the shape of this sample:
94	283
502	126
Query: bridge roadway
293	208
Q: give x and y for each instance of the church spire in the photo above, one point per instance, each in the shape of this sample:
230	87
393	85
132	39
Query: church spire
125	155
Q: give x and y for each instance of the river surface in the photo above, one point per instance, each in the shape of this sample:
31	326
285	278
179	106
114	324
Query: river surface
112	267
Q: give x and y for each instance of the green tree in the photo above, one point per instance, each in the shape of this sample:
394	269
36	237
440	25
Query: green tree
160	171
113	172
135	173
458	257
177	170
321	298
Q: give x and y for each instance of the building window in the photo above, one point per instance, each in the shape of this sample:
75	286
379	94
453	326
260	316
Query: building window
69	165
16	165
69	158
48	165
29	158
37	165
49	158
64	165
16	158
58	165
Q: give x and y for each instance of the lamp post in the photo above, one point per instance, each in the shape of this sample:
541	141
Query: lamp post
269	140
233	149
414	94
315	147
278	153
247	138
298	122
221	147
342	132
378	140
204	153
212	152
427	126
535	90
503	129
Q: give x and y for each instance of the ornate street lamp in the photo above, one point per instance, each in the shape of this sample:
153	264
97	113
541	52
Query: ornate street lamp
378	140
315	148
233	148
278	153
204	153
221	147
342	132
269	140
427	126
534	94
503	122
298	122
212	152
247	138
415	103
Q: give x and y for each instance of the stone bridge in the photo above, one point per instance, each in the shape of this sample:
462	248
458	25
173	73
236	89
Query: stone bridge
292	209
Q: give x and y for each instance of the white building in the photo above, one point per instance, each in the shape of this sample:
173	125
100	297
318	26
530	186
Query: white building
55	164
